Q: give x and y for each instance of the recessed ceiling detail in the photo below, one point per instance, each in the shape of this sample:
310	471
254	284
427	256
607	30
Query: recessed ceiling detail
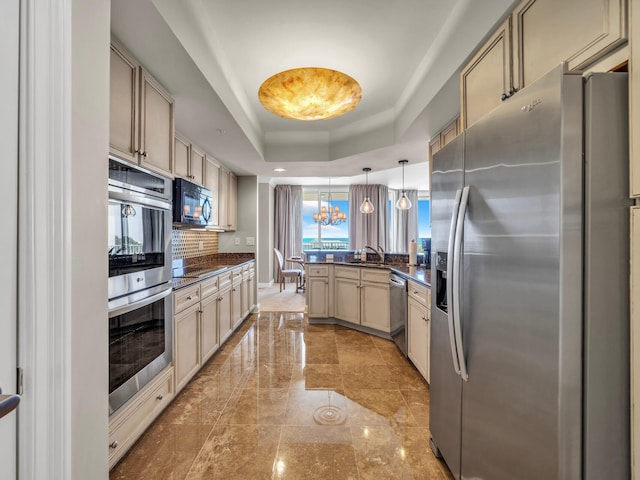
310	94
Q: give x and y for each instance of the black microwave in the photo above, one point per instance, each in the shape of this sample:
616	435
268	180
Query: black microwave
192	204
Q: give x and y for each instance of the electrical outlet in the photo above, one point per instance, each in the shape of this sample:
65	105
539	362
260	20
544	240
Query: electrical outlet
251	241
200	245
236	240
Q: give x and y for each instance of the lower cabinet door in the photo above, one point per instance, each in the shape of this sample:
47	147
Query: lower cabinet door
347	299
418	331
236	305
374	311
209	327
186	345
318	301
224	315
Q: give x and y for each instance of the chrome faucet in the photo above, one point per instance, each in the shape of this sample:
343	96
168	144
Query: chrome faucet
379	252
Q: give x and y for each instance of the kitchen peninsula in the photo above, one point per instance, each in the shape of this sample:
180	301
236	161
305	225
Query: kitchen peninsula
358	294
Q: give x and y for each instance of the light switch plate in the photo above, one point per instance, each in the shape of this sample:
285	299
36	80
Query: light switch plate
236	241
251	241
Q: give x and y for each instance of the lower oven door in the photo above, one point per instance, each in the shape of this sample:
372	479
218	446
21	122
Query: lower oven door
140	341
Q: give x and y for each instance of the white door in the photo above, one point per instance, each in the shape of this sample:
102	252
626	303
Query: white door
9	39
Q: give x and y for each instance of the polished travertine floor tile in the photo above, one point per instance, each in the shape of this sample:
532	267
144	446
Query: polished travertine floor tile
283	399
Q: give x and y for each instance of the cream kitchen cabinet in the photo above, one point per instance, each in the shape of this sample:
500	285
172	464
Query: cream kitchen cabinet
539	35
347	294
236	298
547	32
247	296
374	299
251	286
189	160
227	200
487	77
232	203
212	182
419	327
209	339
317	290
141	114
130	422
362	296
186	344
224	308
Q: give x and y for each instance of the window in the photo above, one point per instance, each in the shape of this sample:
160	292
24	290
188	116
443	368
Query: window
424	220
317	235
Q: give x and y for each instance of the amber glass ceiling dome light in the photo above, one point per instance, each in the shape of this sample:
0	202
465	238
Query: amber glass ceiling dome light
310	94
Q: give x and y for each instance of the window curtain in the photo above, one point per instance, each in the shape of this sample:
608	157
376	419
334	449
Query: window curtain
405	222
372	228
287	223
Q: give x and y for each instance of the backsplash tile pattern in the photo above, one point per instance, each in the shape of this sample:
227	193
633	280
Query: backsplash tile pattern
186	243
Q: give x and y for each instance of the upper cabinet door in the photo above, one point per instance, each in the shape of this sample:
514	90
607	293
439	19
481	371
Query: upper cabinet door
547	32
156	125
212	181
196	166
182	148
487	77
123	102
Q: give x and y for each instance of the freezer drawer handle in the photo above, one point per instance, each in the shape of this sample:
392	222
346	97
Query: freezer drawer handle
450	270
457	255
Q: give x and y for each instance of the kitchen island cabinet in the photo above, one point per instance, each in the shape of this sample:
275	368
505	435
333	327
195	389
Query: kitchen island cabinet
361	295
318	290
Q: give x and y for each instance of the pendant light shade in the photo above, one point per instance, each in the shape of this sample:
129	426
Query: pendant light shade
367	206
403	202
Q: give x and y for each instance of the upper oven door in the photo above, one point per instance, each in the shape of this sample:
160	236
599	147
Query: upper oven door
139	242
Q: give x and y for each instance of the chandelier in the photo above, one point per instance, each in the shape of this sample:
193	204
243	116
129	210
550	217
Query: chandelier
330	214
310	94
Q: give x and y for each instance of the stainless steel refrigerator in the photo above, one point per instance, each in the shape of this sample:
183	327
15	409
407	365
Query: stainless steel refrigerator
530	266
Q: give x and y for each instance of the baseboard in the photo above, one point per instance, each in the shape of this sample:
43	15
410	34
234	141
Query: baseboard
266	285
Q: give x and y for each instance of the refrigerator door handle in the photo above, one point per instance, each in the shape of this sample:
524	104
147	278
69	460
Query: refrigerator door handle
457	254
450	281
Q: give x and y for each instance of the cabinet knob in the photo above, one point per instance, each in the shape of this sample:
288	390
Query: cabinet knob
189	297
144	154
159	397
113	445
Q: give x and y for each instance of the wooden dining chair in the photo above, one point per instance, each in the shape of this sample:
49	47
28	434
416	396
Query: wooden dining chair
287	272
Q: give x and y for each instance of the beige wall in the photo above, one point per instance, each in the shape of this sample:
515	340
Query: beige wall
247	223
265	233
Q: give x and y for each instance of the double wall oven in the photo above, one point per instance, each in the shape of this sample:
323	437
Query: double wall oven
140	300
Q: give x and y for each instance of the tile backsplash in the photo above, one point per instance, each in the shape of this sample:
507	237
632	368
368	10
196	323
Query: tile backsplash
186	243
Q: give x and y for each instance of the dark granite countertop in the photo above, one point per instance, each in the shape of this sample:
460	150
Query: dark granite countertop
418	274
201	271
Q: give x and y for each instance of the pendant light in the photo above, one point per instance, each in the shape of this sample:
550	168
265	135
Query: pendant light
403	202
367	206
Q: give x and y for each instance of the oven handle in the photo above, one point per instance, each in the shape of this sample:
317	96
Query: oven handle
129	307
124	196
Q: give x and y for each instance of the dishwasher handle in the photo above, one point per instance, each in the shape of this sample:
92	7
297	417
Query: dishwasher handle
398	283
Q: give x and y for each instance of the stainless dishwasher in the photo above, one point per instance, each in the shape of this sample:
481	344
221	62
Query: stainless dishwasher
398	311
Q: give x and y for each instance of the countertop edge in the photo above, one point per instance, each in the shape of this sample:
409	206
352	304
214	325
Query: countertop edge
182	282
403	271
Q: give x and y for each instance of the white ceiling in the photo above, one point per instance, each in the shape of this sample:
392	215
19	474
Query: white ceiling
212	55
